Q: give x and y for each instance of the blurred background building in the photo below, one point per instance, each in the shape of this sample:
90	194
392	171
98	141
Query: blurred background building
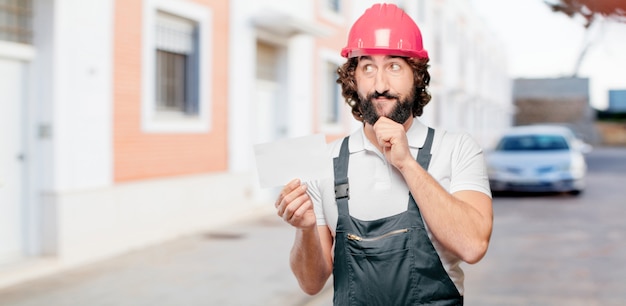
611	122
561	101
128	123
617	100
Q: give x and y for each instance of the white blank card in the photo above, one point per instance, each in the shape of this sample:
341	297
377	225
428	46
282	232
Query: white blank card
281	161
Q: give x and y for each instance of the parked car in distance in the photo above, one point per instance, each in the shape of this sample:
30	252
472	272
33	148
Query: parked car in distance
538	158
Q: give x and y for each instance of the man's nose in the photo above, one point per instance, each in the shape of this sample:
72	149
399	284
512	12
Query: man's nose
381	83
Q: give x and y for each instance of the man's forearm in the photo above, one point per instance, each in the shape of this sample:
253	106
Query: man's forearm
308	262
462	223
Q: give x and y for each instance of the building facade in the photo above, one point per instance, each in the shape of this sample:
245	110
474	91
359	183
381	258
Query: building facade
128	123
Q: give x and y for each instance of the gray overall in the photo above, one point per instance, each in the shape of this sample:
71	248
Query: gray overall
389	261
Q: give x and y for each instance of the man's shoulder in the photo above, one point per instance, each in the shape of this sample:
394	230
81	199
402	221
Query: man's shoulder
452	135
355	140
450	140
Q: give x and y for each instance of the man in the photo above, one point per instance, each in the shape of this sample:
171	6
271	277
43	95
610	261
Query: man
407	204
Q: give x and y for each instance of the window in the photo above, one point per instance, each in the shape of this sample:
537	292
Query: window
176	65
533	143
331	104
331	10
176	83
16	21
334	5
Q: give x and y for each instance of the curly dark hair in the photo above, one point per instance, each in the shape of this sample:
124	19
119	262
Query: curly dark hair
421	79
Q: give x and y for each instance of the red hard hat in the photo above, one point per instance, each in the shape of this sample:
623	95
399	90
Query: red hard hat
384	29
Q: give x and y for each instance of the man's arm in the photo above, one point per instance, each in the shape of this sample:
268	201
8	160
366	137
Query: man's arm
462	221
311	259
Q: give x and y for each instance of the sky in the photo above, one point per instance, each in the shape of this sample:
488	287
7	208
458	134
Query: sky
544	44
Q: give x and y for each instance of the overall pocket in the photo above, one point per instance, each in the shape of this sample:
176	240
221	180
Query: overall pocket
381	268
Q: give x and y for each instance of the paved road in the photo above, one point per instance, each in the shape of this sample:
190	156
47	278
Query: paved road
545	250
558	249
244	264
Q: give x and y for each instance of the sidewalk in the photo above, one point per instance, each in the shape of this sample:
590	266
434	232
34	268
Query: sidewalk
245	263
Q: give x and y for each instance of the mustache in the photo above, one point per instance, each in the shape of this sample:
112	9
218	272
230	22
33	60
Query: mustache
386	94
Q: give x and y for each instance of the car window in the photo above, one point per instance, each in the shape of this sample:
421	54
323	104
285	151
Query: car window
532	143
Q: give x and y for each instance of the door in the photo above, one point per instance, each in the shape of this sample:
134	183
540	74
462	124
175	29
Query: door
270	103
11	168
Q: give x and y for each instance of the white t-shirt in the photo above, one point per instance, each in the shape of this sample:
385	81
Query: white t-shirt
377	189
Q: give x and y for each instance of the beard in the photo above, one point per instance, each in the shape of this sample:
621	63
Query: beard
400	112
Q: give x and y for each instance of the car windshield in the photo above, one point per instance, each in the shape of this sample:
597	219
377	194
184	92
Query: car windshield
532	143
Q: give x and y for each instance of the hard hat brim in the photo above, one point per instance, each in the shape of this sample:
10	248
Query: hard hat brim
350	53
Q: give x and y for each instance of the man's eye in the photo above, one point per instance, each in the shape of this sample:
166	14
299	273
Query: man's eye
368	68
394	67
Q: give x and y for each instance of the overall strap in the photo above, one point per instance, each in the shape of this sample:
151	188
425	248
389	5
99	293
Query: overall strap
424	155
423	158
342	188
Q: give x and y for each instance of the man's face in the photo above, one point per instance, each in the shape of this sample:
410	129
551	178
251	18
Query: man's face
385	88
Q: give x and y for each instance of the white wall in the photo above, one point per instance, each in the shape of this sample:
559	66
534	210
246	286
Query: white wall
102	222
69	111
82	54
241	80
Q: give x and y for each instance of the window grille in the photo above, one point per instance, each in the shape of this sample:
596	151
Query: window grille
176	64
16	21
171	80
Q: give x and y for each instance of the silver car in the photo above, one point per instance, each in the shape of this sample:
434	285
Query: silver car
538	158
